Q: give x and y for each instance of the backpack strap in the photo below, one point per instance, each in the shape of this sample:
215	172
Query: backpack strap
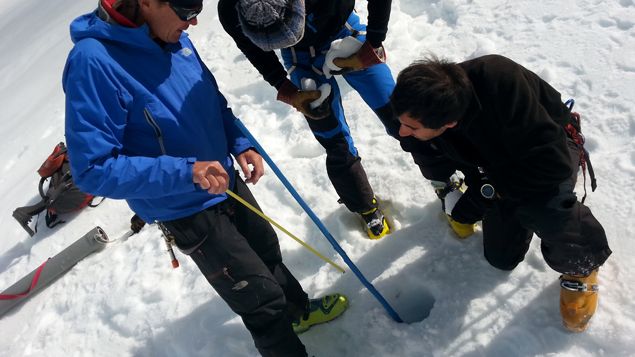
40	188
54	192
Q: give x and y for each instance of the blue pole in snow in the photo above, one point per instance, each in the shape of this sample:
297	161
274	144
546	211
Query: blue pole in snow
319	223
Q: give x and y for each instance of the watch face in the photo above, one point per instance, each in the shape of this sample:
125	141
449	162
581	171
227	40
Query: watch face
488	191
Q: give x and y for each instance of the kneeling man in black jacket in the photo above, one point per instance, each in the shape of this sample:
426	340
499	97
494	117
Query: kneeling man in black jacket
519	148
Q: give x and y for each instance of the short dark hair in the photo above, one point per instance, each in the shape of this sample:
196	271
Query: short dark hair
433	91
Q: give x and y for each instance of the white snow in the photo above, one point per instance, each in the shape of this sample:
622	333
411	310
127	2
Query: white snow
128	301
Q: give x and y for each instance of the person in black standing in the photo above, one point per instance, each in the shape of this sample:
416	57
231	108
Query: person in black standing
304	31
519	149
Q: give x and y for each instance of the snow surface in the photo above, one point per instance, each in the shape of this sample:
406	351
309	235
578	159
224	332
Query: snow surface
128	301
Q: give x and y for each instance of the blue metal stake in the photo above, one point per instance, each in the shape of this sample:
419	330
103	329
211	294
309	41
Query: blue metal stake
319	223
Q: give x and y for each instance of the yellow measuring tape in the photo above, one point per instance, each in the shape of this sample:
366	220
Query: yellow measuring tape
258	212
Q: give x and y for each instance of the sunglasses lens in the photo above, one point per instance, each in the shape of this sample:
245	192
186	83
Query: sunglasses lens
186	14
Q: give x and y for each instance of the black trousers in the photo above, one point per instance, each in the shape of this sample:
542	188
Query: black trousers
239	254
572	240
343	167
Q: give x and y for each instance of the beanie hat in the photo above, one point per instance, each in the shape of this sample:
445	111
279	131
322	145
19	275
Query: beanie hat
272	24
187	4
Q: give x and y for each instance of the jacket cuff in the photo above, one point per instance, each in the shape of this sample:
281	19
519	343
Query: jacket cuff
375	37
241	145
189	163
247	149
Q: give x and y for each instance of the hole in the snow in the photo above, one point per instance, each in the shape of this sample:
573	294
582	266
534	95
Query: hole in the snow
413	305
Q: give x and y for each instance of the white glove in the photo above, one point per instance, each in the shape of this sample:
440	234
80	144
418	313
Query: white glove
451	199
325	91
450	191
340	48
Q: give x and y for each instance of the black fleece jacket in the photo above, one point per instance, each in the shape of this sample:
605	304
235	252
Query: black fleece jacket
513	130
329	16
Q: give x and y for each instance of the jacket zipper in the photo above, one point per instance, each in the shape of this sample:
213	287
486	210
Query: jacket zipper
155	126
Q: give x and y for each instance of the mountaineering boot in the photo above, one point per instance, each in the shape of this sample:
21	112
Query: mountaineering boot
321	310
376	224
578	300
463	230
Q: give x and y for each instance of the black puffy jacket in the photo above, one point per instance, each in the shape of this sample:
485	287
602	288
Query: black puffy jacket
513	130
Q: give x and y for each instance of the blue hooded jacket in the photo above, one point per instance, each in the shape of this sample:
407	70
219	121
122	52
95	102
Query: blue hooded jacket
139	115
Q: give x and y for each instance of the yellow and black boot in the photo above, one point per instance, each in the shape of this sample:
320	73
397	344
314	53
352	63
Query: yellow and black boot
321	310
463	230
376	224
454	205
578	300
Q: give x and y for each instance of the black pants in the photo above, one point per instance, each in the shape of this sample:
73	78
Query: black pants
572	240
344	167
239	254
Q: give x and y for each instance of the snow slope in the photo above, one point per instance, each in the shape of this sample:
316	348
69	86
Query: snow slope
128	301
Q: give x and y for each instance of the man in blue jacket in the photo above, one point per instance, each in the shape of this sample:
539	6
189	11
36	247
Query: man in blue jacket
145	122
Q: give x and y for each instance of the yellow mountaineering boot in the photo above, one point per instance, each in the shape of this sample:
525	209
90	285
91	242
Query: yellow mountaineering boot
578	300
450	193
463	230
321	310
376	225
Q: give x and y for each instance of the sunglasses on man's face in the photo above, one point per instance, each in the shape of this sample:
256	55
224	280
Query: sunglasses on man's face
186	14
